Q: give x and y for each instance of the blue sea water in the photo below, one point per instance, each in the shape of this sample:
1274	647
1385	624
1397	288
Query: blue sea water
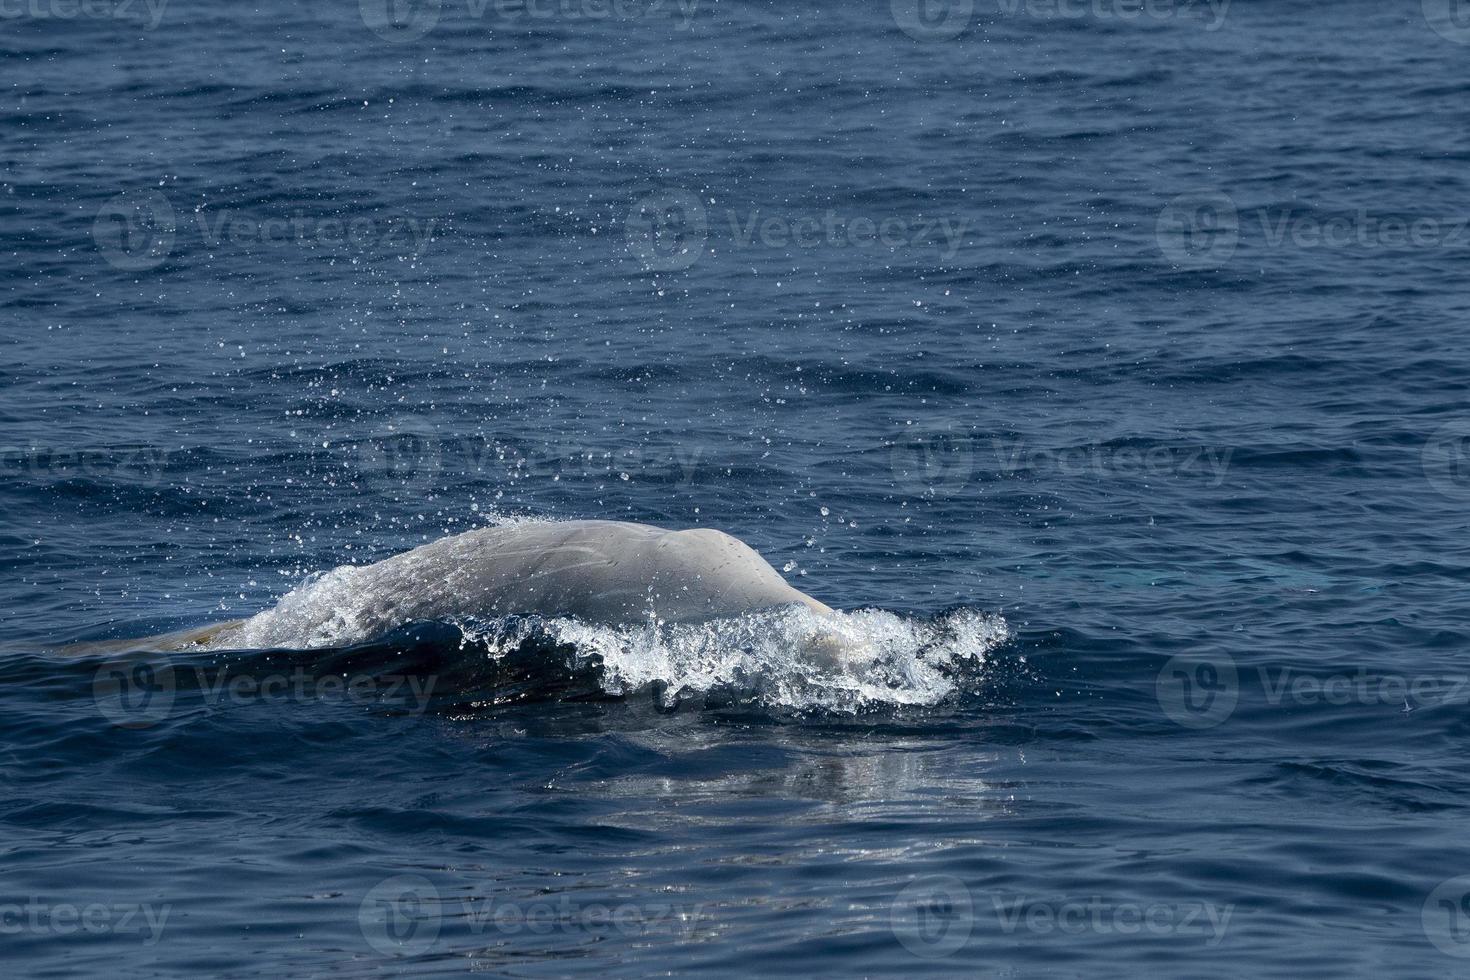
1118	344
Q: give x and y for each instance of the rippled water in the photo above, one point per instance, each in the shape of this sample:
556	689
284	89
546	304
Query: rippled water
1108	365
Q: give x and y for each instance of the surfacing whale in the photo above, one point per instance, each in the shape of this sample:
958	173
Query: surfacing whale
603	572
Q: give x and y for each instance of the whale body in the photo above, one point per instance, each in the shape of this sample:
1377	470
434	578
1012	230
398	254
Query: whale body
603	572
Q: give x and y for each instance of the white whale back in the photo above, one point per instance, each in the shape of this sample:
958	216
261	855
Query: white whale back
607	572
685	611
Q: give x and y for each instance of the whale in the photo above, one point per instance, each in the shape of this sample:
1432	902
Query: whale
596	571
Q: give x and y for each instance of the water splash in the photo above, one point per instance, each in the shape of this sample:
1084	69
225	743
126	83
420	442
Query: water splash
781	660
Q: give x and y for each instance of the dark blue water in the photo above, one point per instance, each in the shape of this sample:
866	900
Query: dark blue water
1142	332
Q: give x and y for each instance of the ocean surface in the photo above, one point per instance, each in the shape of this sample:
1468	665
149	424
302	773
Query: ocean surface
1105	358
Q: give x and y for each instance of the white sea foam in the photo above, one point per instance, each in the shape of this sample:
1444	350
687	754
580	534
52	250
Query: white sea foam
785	658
